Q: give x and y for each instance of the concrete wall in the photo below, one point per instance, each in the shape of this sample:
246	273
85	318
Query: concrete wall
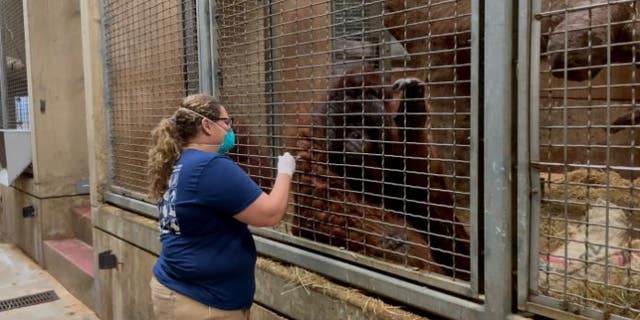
56	99
25	232
51	220
56	95
6	221
124	293
58	135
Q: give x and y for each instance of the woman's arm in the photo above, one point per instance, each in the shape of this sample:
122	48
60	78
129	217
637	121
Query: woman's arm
268	209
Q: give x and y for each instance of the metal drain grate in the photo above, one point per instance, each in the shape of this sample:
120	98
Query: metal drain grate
29	300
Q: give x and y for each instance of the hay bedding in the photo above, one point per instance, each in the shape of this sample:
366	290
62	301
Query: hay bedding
300	278
574	236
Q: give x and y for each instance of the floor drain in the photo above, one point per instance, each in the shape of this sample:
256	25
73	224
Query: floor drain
29	300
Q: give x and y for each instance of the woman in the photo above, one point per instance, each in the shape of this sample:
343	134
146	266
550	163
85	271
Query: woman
206	201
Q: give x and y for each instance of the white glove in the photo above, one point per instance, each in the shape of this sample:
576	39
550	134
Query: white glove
286	164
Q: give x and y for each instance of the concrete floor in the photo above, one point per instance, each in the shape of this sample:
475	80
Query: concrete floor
20	276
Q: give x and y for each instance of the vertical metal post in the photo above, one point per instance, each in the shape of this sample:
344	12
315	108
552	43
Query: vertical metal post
104	23
3	77
213	50
190	41
534	154
527	101
476	175
499	100
204	46
269	87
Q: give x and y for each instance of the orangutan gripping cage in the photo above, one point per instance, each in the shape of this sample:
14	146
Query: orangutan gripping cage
588	247
152	63
13	71
374	97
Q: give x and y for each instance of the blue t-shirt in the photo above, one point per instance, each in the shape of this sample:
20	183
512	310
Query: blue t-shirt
207	255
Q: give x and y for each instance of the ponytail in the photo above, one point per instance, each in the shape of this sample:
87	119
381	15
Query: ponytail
165	151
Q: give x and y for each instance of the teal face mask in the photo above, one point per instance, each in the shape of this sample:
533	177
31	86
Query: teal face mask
229	141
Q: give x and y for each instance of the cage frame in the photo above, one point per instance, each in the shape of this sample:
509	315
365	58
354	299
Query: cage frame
4	82
15	142
491	296
530	197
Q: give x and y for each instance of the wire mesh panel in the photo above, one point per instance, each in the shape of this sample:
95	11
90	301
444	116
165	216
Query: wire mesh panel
374	98
588	257
152	63
15	114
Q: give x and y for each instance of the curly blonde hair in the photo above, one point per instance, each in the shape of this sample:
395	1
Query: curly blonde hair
171	135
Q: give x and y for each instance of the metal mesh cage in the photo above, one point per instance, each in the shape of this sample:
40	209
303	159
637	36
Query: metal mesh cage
383	169
152	63
589	240
15	114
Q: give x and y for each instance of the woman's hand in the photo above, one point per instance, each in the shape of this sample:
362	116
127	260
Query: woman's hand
286	164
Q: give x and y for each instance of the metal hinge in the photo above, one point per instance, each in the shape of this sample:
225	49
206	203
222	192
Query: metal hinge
107	260
82	186
28	212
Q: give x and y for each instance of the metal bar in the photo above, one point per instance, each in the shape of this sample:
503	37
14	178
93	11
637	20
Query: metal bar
204	47
3	78
617	317
28	300
557	309
144	208
534	154
190	36
475	187
15	130
565	170
587	166
540	15
269	83
498	124
107	93
606	307
129	193
413	295
524	225
26	60
554	313
434	280
213	29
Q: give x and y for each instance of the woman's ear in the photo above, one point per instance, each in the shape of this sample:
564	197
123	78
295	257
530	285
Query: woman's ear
207	126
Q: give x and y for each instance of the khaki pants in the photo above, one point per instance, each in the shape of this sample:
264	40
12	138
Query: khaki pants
170	305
